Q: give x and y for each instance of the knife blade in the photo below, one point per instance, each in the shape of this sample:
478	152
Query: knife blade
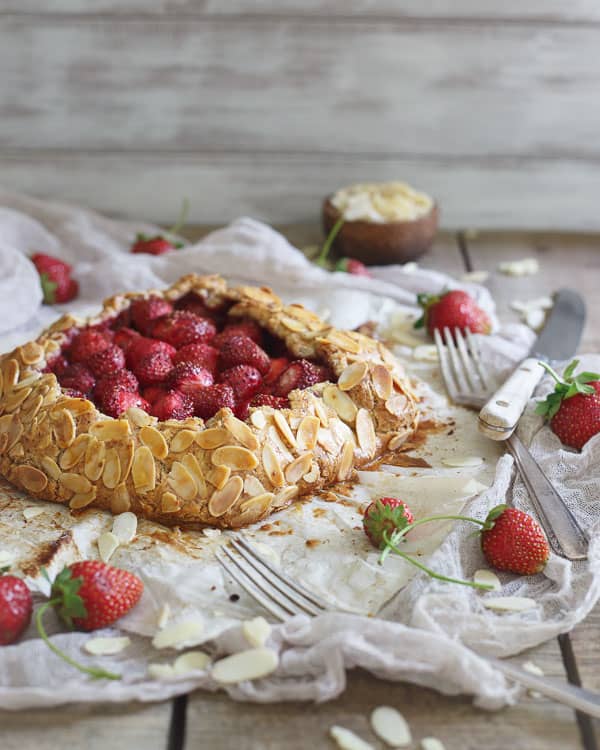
557	341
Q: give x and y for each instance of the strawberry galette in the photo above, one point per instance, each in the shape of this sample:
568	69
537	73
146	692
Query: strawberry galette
199	404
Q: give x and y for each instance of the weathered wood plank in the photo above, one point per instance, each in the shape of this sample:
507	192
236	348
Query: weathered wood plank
280	85
280	188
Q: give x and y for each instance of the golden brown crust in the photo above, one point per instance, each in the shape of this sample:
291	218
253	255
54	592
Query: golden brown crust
224	472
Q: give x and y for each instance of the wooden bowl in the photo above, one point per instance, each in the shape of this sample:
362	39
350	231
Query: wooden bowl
381	244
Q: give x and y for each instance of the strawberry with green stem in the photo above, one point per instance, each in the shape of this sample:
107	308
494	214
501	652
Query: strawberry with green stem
16	605
55	279
348	265
159	244
452	309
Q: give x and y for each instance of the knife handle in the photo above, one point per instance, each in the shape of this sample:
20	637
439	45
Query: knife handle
499	417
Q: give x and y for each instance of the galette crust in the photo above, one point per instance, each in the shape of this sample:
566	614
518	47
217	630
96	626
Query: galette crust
222	472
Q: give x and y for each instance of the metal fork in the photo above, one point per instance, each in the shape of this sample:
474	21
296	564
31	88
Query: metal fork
469	383
283	597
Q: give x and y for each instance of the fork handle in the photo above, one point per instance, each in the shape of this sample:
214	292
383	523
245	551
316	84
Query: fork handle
499	417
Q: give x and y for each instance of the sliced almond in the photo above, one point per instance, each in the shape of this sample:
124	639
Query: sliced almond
10	373
238	459
126	451
106	646
396	405
342	340
29	379
463	462
143	470
222	500
192	661
170	503
107	545
75	482
31	353
257	504
32	409
398	439
15	431
365	432
75	452
82	499
31	478
487	578
256	631
431	743
120	501
139	417
391	727
15	399
181	481
532	668
213	438
346	462
181	441
95	458
154	440
33	511
112	469
125	527
313	474
111	429
299	466
241	432
164	615
321	412
292	324
191	464
179	634
284	428
64	428
509	603
218	476
253	486
306	436
77	406
340	402
258	419
276	442
162	672
245	665
17	451
285	496
51	468
345	739
382	382
352	376
272	466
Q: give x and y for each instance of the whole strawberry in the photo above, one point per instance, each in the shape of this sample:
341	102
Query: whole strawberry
242	350
299	374
208	401
144	312
181	328
514	541
157	245
249	328
107	362
454	309
55	278
88	343
172	405
388	514
16	606
244	379
354	267
573	408
266	399
77	377
203	355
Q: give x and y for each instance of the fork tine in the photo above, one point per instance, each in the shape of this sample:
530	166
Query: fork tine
294	591
470	370
445	367
457	369
481	369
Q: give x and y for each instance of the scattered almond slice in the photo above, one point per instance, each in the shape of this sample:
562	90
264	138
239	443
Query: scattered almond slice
32	511
426	353
164	616
410	267
347	740
267	552
535	318
539	303
476	277
106	646
179	634
391	727
245	665
162	671
523	267
463	462
532	668
256	631
211	533
431	743
125	527
488	578
509	603
107	545
191	662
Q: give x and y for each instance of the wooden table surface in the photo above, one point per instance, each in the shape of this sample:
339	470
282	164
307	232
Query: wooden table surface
203	720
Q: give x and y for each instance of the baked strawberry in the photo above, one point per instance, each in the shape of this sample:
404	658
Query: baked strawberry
157	245
172	405
16	606
242	409
88	343
277	366
152	368
142	347
195	304
241	350
116	401
189	378
145	311
244	379
77	377
453	309
124	337
152	393
55	278
512	540
72	393
298	375
353	266
57	364
203	355
107	361
573	408
180	328
267	399
388	514
208	401
246	327
123	379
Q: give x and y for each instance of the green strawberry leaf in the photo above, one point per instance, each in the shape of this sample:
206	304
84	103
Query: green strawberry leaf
49	288
587	377
570	369
69	604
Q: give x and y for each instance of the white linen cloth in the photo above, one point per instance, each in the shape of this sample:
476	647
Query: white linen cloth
431	631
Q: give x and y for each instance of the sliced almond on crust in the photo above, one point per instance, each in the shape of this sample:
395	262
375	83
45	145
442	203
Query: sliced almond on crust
340	402
241	432
32	409
182	441
120	501
143	470
396	405
306	436
154	440
64	428
191	464
343	341
95	458
222	500
31	353
272	466
75	452
139	417
10	372
238	459
111	429
398	439
181	481
253	486
352	376
75	482
285	496
218	476
27	379
365	432
346	461
298	468
321	412
258	419
126	451
260	502
82	499
112	469
170	503
51	468
15	399
284	428
292	324
31	478
213	438
382	382
76	406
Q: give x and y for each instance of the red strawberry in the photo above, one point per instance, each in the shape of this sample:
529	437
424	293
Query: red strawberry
107	361
244	379
266	399
353	266
152	368
189	378
172	405
16	606
208	401
152	393
57	364
180	328
45	263
454	309
145	311
278	365
72	393
298	375
241	350
88	343
246	327
142	347
195	304
512	540
77	377
573	408
203	355
242	409
125	337
157	245
92	595
386	514
123	379
55	278
118	400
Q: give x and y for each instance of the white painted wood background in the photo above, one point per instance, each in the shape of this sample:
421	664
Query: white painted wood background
263	107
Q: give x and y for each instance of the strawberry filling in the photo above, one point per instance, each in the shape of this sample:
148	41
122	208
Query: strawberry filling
182	359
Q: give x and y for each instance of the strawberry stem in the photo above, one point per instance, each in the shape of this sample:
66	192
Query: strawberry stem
95	672
553	372
322	258
185	207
